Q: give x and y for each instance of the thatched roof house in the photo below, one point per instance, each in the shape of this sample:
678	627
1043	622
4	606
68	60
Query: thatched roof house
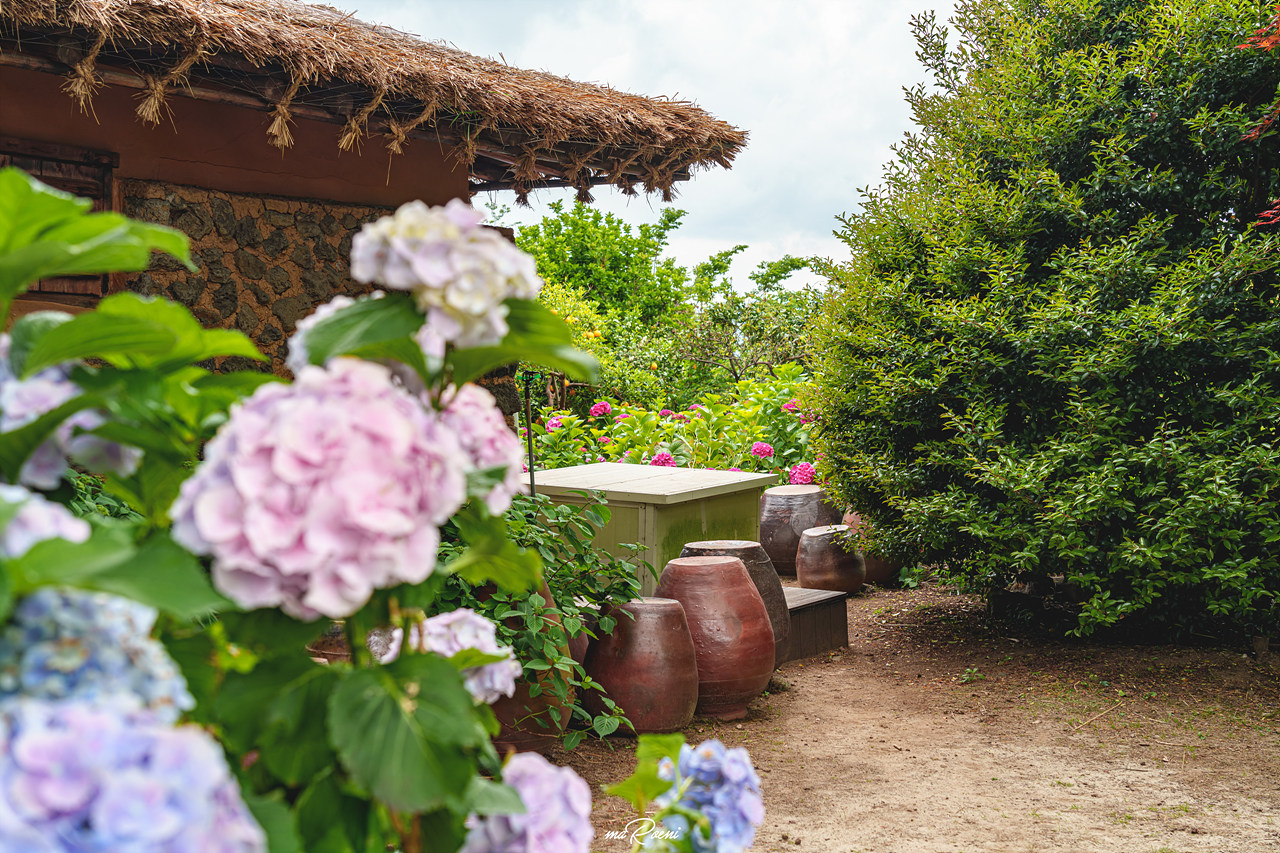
269	129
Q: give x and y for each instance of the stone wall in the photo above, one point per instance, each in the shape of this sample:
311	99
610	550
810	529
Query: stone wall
265	262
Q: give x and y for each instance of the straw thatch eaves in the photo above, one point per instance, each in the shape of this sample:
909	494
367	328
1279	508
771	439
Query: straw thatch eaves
515	129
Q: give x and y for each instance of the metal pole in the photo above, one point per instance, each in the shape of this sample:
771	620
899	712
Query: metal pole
528	432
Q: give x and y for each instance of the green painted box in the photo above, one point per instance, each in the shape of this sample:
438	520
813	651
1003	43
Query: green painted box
661	508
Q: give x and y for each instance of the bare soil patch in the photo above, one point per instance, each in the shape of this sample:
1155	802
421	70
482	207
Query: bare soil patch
938	732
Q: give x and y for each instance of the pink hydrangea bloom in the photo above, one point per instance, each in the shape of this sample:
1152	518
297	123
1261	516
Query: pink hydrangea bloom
458	630
802	474
557	812
682	418
473	417
791	406
604	439
554	424
36	520
314	494
665	413
459	273
762	450
601	408
665	460
621	417
694	407
735	469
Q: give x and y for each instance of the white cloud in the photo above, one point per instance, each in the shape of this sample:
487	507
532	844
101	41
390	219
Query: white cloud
817	83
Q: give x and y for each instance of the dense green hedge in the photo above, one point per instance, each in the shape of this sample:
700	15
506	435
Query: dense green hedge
1055	349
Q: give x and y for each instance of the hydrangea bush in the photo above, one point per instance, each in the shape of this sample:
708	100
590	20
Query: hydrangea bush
761	428
255	508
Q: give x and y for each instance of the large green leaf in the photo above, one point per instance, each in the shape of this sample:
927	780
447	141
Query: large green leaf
536	335
332	821
295	747
97	335
641	787
241	705
28	329
192	342
44	232
158	572
370	325
277	821
402	732
491	556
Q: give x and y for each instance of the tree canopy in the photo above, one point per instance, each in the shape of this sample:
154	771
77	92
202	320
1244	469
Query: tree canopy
1052	350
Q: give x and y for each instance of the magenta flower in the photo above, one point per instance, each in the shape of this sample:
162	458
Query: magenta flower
604	439
735	469
791	406
665	460
621	417
682	418
802	474
554	424
600	409
762	450
313	495
695	407
665	413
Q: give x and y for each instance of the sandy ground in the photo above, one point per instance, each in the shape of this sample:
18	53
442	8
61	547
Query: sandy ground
936	733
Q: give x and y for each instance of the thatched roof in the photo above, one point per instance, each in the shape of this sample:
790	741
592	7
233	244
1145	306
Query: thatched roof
515	129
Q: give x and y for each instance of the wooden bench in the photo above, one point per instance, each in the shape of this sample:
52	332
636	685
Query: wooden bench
819	621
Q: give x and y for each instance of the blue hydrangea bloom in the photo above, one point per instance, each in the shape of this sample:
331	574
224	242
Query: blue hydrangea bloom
721	784
76	778
69	644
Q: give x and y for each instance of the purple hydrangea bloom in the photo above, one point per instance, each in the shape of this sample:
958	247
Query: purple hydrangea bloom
475	420
90	647
601	408
723	785
36	520
77	778
313	495
459	272
762	450
665	460
554	424
458	630
24	400
665	413
802	474
557	816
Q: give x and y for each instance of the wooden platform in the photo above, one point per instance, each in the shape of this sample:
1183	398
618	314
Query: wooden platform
819	621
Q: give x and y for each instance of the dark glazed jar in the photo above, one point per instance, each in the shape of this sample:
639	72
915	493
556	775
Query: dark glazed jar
785	513
763	575
647	665
821	562
732	636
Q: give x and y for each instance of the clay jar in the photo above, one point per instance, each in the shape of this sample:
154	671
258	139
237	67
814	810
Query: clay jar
821	562
785	513
879	571
529	723
647	665
763	575
732	636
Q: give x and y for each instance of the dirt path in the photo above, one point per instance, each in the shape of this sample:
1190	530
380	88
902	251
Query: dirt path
934	733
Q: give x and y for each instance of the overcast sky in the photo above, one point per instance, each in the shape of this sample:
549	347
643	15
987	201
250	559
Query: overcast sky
817	84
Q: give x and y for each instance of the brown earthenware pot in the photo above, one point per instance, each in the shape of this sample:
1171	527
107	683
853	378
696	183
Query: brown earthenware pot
647	665
879	571
732	636
763	575
785	513
822	563
528	724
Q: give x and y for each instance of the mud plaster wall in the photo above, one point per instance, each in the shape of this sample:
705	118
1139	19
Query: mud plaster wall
265	262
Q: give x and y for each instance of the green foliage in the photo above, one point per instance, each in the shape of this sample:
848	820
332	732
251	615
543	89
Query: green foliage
717	432
1053	349
582	580
607	261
